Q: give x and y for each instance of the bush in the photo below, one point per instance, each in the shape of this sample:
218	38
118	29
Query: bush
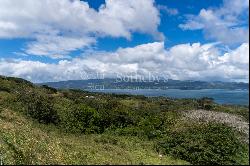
113	119
5	85
82	119
121	119
40	107
206	103
50	89
5	89
211	144
152	126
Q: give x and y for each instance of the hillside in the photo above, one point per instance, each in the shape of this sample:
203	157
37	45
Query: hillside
43	125
109	83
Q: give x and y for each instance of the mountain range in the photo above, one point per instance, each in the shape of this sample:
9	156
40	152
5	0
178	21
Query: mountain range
110	83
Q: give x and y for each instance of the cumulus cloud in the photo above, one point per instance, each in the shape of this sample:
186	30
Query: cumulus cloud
227	24
184	62
57	46
60	26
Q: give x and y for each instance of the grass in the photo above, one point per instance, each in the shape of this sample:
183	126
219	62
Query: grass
23	141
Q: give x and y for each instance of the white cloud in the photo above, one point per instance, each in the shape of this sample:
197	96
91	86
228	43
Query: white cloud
185	61
51	23
57	46
168	10
227	24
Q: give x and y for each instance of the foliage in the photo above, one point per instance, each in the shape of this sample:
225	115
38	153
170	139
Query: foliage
50	89
40	107
81	118
206	145
206	103
112	117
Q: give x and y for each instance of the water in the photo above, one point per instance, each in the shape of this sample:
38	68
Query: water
222	96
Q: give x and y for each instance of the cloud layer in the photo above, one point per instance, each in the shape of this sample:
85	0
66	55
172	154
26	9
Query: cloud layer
182	62
68	25
227	24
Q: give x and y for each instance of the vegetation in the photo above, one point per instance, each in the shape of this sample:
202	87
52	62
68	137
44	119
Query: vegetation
43	125
205	145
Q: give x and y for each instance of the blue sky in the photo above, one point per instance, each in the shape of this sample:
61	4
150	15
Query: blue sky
39	37
169	26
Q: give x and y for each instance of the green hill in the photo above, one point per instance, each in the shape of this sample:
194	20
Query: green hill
43	125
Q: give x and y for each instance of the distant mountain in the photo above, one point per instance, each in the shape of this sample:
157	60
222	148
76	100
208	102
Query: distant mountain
110	83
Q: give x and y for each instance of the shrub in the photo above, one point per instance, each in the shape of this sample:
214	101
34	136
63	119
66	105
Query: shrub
210	144
113	119
121	117
82	119
206	103
5	85
152	126
50	89
5	89
40	107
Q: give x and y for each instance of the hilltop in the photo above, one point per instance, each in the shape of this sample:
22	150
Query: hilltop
44	125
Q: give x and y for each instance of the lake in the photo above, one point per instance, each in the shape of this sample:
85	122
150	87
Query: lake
222	96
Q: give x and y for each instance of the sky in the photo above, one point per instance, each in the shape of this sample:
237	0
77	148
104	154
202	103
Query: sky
57	40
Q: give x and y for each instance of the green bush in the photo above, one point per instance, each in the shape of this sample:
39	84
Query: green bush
153	126
121	119
81	118
5	85
118	117
206	103
39	106
5	89
50	89
206	145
